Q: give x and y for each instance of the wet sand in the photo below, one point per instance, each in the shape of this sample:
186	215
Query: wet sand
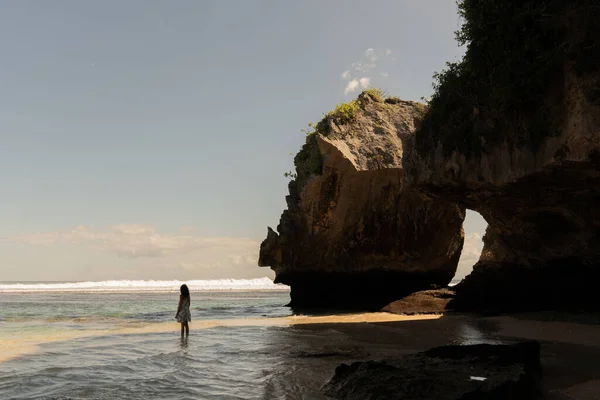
570	349
19	343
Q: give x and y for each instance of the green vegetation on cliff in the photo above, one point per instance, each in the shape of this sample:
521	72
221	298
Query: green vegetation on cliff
308	161
511	81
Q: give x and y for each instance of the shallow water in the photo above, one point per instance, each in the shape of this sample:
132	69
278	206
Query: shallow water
243	345
217	363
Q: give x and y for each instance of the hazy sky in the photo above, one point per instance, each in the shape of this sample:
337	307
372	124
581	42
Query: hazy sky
148	139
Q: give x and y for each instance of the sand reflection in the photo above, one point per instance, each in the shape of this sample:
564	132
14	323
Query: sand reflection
19	342
469	332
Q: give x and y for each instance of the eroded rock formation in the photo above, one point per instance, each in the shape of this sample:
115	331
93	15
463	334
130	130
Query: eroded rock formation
513	132
475	372
352	236
422	302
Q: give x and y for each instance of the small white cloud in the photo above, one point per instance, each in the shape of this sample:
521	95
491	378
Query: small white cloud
363	67
352	86
370	54
384	74
355	84
388	52
364	82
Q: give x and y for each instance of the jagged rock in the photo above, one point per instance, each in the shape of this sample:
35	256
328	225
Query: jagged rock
352	236
518	140
444	373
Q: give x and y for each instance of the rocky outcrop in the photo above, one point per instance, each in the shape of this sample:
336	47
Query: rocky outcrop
513	132
352	236
423	302
472	372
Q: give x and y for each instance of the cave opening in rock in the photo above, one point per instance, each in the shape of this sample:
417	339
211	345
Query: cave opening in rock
474	226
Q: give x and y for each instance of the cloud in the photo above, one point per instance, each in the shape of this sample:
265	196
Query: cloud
470	254
363	67
352	86
195	266
187	229
370	54
250	258
355	84
136	240
366	65
472	247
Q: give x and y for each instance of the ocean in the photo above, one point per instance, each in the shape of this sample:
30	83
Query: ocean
120	340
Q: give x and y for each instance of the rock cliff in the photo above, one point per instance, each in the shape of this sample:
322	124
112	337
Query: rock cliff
513	132
352	236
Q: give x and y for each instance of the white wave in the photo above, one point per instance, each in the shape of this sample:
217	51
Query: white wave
145	286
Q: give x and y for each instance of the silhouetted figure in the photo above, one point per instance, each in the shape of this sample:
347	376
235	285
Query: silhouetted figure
183	315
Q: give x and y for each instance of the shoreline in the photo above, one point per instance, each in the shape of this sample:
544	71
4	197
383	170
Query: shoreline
16	346
570	347
133	291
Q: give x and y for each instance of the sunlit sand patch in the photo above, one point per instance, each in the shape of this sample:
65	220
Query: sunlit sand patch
15	344
357	318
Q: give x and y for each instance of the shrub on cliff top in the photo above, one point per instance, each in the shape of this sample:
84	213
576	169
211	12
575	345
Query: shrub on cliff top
509	83
308	160
342	114
376	94
345	113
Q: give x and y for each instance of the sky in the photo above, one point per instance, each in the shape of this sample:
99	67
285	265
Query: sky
146	139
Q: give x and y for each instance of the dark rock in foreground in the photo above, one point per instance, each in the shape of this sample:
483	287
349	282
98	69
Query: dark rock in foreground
444	373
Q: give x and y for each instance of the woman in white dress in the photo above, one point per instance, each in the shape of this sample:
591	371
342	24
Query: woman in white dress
183	315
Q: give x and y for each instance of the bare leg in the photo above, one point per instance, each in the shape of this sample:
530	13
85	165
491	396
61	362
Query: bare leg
182	324
187	329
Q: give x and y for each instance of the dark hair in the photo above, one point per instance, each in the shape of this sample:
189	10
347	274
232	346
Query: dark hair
185	292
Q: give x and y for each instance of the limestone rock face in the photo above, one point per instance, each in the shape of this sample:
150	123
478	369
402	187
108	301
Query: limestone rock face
352	236
539	195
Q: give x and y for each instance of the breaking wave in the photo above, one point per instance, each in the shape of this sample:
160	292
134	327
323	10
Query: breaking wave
144	286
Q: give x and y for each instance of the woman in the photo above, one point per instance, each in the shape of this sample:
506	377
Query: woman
183	315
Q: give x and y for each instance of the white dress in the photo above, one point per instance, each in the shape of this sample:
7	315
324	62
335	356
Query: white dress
184	313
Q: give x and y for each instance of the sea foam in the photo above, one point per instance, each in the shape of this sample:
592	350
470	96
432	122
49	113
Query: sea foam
144	286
